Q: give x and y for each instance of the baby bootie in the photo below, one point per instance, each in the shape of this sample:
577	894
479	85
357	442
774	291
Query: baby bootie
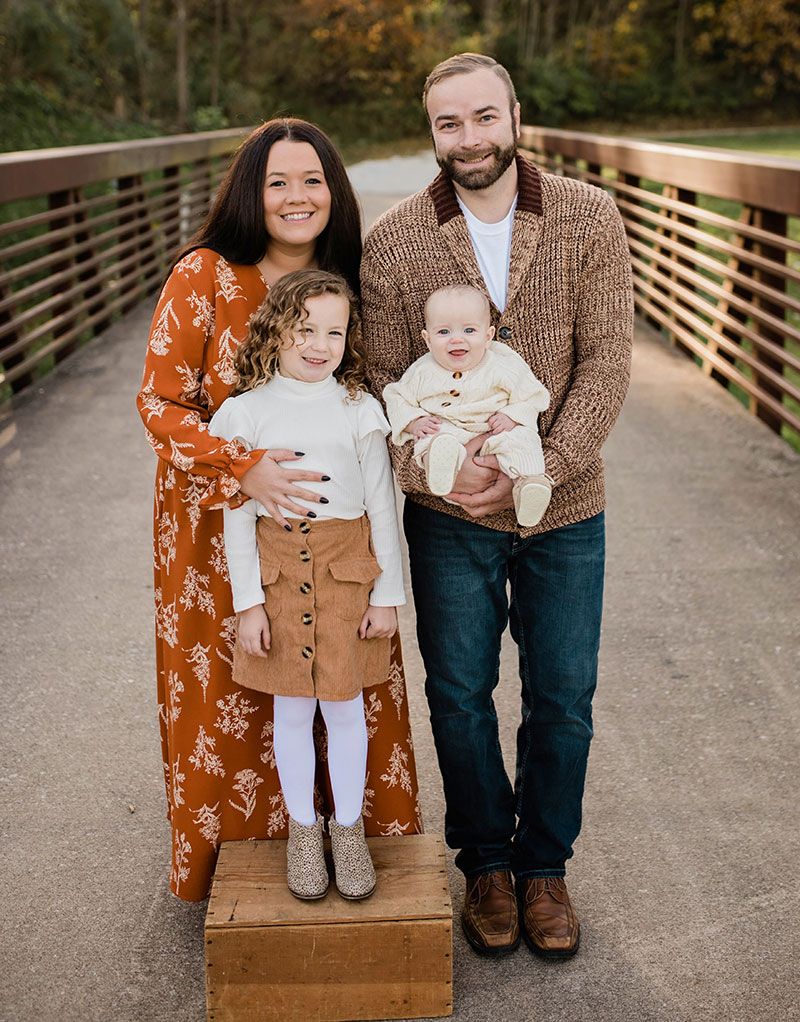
355	874
444	459
306	873
531	497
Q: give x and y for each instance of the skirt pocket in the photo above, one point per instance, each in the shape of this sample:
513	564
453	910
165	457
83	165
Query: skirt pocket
271	583
354	577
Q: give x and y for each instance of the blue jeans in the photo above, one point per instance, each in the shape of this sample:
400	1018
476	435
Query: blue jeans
459	574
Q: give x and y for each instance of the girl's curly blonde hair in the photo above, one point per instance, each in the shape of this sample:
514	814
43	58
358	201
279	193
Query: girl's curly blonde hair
256	360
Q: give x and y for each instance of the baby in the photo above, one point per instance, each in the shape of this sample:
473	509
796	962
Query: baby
468	385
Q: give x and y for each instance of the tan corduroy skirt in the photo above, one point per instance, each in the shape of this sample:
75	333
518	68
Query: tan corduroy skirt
317	580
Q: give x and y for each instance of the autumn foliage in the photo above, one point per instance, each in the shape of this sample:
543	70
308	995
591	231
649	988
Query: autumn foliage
84	69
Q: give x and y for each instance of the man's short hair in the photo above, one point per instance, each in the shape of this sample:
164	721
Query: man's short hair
464	64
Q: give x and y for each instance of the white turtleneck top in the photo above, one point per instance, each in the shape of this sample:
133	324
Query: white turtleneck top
342	439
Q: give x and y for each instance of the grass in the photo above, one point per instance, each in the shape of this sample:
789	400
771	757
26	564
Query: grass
771	142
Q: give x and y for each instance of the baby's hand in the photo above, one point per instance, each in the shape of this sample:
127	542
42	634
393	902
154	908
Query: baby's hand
378	623
254	636
500	423
423	426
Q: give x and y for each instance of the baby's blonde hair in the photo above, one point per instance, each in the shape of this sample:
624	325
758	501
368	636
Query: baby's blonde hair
457	289
257	359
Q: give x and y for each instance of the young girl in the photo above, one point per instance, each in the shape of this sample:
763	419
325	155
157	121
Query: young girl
315	599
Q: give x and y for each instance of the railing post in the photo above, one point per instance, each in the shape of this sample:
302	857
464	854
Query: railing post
736	265
55	201
8	315
775	223
92	290
127	184
172	211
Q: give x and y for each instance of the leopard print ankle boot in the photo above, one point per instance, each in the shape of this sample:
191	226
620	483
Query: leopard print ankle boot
355	874
306	873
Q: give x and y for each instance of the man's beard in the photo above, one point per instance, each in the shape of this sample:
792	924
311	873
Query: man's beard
473	180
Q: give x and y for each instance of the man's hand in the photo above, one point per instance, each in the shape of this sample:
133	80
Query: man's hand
378	623
425	425
495	497
254	636
500	423
473	477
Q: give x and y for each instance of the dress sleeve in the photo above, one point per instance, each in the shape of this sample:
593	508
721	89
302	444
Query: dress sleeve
379	499
172	401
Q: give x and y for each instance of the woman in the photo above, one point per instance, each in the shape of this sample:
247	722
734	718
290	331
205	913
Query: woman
286	204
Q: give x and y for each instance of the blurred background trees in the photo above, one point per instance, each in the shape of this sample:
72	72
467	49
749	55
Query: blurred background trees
89	70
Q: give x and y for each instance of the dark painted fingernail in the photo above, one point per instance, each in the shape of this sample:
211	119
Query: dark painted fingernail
324	500
288	528
299	454
326	479
310	514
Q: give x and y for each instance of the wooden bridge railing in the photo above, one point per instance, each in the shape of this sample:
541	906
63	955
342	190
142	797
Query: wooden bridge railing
88	231
714	238
715	245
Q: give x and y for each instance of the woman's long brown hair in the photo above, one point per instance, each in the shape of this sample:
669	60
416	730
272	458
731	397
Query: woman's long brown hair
235	227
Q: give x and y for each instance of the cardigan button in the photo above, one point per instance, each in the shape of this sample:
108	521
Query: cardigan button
504	332
308	652
457	374
305	588
307	619
305	555
304	526
454	393
446	404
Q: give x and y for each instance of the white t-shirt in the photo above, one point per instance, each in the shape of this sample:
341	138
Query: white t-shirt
492	245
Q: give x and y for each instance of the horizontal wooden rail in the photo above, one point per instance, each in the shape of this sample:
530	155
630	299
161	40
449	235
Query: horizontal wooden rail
87	232
715	249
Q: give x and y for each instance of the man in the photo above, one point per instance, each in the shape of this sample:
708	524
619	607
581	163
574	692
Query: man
551	255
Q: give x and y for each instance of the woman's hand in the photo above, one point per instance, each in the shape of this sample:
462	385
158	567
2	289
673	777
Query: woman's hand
254	636
272	485
378	623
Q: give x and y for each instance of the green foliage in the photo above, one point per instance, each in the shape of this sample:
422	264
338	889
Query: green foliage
93	70
209	118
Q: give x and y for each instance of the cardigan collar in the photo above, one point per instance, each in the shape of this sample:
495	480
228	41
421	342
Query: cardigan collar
529	184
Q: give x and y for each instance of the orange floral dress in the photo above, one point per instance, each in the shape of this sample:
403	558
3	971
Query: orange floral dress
219	763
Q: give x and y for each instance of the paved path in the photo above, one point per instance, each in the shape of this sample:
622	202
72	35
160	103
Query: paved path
686	873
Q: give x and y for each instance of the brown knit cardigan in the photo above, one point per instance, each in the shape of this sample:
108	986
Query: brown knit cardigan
569	313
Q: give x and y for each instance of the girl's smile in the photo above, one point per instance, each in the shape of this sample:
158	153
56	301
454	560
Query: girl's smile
315	347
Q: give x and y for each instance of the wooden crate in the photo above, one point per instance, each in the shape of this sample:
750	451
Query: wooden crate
273	958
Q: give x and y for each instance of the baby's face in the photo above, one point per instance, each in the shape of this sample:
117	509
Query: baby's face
457	330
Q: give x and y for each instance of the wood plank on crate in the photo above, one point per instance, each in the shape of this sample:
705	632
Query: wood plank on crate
250	885
273	958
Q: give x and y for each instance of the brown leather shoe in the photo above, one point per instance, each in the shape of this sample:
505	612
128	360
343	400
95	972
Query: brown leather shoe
489	918
549	921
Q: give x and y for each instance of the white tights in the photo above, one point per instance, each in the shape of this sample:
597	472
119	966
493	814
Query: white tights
296	759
